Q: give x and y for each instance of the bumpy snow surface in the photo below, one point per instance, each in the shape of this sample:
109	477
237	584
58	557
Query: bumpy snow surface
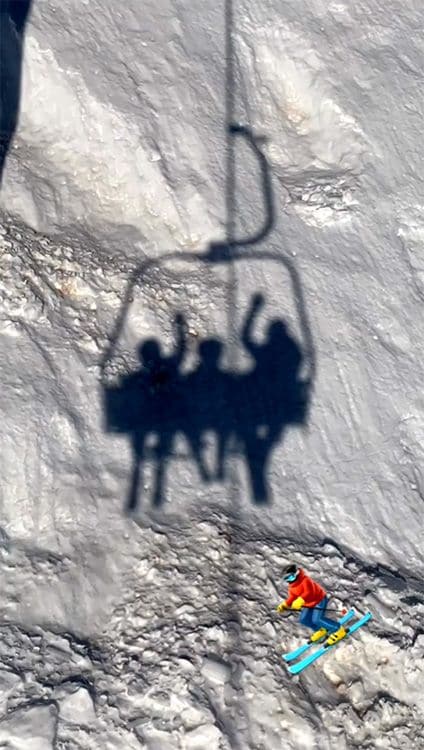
147	510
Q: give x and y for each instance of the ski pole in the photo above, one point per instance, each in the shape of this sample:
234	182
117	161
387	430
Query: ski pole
341	611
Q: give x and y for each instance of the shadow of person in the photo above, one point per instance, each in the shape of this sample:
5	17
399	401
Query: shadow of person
248	411
269	397
13	16
209	391
148	402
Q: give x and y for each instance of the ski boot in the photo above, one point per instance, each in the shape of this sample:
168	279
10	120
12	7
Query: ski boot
318	635
337	636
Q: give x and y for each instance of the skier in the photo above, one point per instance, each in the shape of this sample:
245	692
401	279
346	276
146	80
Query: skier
308	597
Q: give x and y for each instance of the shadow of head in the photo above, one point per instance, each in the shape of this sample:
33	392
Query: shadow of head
150	354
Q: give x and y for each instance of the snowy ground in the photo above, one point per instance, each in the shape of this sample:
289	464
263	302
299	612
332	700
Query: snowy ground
158	630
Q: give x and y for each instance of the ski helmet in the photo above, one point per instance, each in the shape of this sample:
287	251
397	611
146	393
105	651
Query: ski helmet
290	573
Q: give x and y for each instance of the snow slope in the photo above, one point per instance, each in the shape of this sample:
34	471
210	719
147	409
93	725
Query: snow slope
159	630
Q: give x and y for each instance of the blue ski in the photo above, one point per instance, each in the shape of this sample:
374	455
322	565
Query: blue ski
303	663
301	650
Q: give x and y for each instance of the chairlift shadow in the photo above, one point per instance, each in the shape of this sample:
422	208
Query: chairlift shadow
248	412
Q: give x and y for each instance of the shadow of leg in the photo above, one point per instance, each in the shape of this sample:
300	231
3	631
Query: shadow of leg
197	448
223	440
163	451
135	483
257	453
136	477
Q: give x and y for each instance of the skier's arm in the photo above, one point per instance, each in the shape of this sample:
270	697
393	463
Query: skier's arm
290	599
291	603
307	591
286	604
298	603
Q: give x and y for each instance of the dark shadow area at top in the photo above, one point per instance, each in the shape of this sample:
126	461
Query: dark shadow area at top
247	413
13	17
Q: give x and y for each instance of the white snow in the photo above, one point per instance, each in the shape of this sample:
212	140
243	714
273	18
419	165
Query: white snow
77	708
29	729
159	630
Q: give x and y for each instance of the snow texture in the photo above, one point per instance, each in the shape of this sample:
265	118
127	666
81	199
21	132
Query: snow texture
139	577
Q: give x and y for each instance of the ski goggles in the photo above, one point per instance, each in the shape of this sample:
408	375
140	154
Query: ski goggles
290	577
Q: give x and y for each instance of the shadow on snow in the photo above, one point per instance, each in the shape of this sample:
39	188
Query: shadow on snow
13	17
246	413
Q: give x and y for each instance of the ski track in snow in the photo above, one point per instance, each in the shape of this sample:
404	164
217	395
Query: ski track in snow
159	631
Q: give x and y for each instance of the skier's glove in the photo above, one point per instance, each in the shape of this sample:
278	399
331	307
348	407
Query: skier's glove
298	603
282	607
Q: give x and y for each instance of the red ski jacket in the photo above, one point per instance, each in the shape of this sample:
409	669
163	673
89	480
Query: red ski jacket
310	591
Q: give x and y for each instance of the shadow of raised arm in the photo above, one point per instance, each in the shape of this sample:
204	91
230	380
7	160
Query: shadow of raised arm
246	333
180	328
